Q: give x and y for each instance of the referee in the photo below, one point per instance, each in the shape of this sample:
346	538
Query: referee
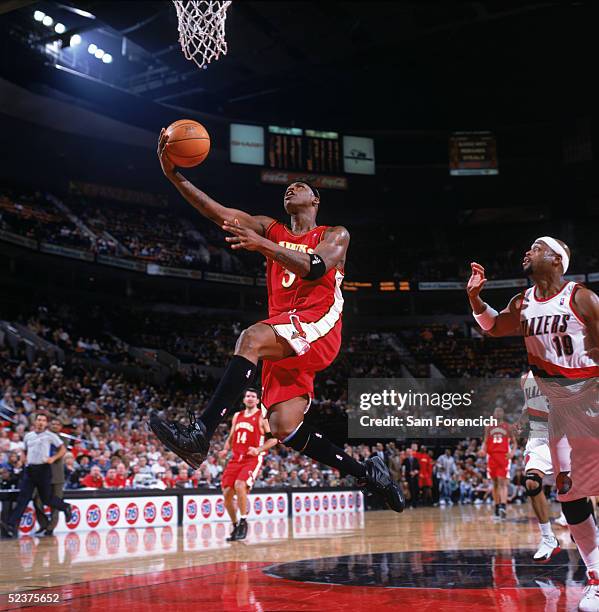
37	473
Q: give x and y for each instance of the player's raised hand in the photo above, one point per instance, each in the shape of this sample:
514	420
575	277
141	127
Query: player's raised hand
243	237
166	164
476	281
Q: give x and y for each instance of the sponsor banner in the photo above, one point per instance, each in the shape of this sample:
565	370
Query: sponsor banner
119	262
320	181
317	525
593	277
433	286
506	282
228	278
17	239
156	270
130	196
247	144
56	249
211	508
358	155
210	535
326	503
577	278
115	513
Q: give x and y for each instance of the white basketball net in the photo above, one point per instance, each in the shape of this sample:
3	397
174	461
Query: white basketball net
202	30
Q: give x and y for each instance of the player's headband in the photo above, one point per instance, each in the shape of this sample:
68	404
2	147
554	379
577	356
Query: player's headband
554	245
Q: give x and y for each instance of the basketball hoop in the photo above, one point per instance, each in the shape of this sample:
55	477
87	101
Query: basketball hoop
202	30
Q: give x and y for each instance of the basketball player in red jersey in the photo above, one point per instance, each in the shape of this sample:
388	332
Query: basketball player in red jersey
560	324
301	336
247	443
496	445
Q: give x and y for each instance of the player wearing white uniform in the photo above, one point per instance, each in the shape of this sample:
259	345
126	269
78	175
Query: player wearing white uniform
537	462
560	324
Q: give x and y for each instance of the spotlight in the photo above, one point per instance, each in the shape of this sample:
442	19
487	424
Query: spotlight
92	49
75	40
99	53
47	20
107	58
39	15
60	28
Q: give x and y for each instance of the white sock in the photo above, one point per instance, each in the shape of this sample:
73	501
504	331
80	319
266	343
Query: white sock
585	536
244	517
546	530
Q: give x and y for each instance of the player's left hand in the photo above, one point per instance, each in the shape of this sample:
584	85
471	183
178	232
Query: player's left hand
243	237
253	451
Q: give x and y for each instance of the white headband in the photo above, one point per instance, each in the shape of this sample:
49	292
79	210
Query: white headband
554	245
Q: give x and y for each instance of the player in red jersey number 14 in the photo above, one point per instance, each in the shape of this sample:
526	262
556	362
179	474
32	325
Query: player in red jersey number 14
301	336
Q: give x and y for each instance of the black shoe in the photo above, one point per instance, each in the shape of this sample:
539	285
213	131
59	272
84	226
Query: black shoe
68	513
40	531
11	530
190	443
233	535
49	532
379	482
242	530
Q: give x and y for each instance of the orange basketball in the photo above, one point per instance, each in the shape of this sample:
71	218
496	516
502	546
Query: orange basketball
188	143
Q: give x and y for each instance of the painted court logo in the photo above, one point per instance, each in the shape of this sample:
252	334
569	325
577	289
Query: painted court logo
93	515
150	512
191	509
131	513
166	511
113	514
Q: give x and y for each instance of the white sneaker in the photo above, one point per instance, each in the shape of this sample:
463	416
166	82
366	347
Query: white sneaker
548	547
561	520
590	597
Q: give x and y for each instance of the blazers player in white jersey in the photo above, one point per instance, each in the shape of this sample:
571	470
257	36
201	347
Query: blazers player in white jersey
537	462
560	324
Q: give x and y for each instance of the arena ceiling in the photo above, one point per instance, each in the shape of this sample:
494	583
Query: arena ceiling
374	65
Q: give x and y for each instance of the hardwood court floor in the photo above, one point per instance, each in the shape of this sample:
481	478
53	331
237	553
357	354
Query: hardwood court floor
433	559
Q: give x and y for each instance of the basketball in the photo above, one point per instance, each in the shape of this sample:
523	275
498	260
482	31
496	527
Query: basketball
188	143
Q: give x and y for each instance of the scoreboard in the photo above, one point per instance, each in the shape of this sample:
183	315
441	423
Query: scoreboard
303	150
296	150
472	153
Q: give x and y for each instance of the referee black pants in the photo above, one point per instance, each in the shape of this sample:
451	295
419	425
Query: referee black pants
35	477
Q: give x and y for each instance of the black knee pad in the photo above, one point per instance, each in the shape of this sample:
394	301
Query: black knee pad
577	511
299	438
535	478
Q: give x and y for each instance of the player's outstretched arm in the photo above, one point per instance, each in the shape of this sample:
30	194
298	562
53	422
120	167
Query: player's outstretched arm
329	254
587	306
202	202
504	323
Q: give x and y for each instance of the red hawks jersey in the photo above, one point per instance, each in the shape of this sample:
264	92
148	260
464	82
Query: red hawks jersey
287	291
246	433
498	438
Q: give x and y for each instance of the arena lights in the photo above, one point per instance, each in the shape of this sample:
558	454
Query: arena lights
99	53
39	15
60	28
47	21
107	58
75	40
92	49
